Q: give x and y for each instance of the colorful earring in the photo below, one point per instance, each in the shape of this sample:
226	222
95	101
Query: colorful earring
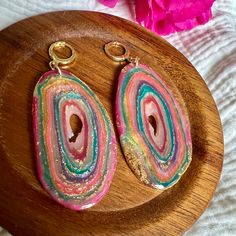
74	166
154	132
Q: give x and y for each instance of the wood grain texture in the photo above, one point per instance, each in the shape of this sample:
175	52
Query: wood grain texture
129	207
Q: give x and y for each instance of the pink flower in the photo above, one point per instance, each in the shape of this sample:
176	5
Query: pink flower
169	16
109	3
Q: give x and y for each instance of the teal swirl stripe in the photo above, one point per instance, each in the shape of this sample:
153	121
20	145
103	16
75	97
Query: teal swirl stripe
77	173
153	129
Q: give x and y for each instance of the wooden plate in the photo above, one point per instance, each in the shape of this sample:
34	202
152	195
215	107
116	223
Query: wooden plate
129	207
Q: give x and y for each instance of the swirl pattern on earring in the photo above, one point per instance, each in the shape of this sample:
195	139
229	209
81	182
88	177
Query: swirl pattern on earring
154	132
75	164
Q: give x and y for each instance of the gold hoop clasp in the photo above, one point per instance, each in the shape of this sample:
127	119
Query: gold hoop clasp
116	44
56	60
119	58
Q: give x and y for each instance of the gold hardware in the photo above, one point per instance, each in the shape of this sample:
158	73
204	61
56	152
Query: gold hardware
124	57
56	60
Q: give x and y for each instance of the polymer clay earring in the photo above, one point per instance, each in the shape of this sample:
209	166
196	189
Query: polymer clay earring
153	130
74	166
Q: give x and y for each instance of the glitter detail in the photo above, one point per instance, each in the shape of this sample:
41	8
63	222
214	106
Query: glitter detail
76	174
158	152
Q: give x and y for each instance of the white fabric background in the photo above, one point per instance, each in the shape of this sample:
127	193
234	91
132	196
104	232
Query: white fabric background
212	50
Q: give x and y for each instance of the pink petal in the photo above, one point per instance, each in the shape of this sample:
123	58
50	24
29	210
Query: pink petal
142	9
158	11
109	3
169	16
162	3
165	26
192	11
180	4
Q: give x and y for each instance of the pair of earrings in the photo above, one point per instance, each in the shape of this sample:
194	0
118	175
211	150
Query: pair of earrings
154	132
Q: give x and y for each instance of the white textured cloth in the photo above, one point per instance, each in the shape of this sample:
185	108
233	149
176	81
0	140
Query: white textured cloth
212	50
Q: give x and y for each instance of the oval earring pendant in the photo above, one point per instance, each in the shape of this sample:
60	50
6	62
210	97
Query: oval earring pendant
75	162
154	132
